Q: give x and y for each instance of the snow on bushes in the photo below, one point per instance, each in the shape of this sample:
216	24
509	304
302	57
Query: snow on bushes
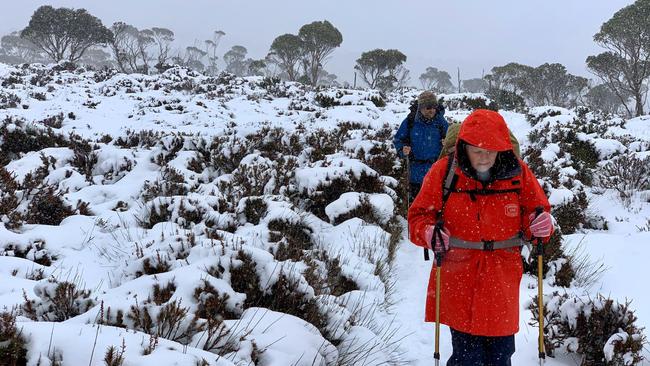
600	329
238	217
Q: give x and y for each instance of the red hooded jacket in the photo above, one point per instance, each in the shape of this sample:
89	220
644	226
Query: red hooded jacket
479	291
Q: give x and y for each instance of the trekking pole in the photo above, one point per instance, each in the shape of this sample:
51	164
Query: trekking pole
540	291
408	194
438	258
408	201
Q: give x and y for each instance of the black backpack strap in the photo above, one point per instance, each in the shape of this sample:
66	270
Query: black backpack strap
450	179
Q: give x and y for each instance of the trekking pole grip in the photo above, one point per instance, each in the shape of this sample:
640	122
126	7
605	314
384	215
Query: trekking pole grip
437	233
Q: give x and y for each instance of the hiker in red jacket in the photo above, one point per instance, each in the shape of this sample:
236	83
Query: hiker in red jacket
484	220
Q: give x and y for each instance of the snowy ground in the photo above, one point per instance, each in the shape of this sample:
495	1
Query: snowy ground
97	251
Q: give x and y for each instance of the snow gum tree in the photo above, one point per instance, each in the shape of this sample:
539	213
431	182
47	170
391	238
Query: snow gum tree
319	40
65	33
625	66
379	65
286	51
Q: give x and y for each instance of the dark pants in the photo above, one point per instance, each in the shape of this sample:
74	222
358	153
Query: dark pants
414	189
471	350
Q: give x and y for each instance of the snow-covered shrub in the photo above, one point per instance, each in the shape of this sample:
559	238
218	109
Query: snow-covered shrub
12	345
139	138
468	102
553	256
583	153
167	149
8	100
47	207
84	158
16	137
276	142
254	209
181	210
377	100
55	121
338	283
244	278
627	174
252	175
171	183
8	198
322	142
330	190
162	294
324	274
14	77
213	304
382	159
171	321
274	86
291	239
564	153
286	296
57	301
571	214
34	251
602	330
154	264
326	101
376	209
227	152
536	115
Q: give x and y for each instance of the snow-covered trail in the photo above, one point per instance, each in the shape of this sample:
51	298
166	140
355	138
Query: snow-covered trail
412	276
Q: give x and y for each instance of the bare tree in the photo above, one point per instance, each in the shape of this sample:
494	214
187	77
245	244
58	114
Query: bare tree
145	41
162	39
19	50
211	46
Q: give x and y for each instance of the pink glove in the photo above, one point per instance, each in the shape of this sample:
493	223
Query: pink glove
542	225
439	247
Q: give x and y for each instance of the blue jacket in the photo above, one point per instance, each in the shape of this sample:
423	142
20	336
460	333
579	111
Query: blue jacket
426	143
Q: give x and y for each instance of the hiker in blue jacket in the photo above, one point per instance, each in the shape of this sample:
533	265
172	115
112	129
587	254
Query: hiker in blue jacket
420	137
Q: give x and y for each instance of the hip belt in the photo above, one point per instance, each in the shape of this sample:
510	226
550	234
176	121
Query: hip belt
486	244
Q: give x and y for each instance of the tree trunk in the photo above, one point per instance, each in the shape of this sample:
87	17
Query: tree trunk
638	98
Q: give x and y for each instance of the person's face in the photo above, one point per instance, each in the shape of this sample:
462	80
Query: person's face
428	111
481	159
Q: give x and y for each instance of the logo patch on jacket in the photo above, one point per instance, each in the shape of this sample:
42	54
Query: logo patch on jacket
512	210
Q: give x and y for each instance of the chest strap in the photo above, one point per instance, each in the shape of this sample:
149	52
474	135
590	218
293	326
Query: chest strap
487	245
420	161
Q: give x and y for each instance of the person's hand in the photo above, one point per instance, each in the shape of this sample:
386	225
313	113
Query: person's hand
429	233
542	225
406	150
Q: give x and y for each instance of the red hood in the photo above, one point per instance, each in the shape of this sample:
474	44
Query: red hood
485	129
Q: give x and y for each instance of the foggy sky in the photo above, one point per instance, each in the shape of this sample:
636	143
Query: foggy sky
474	35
